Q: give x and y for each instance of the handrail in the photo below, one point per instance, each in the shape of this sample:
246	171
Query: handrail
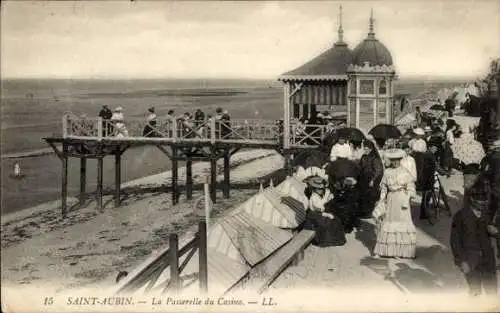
148	274
209	130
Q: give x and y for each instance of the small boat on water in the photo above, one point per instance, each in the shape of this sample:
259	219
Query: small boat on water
17	171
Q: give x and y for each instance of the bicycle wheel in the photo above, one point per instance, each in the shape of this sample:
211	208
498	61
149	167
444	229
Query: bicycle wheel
431	207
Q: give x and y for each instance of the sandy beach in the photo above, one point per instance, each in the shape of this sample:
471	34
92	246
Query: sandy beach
89	248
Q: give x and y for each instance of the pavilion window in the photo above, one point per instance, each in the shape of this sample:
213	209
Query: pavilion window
382	112
367	87
366	113
382	89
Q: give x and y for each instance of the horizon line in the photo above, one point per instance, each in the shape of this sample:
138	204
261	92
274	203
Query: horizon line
400	77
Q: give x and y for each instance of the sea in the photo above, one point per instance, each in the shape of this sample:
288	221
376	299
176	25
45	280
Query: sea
32	109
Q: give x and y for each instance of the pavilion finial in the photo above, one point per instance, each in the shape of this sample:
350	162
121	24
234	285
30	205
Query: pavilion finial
341	30
371	34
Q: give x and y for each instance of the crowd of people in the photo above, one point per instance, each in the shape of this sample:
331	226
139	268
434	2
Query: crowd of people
378	177
188	124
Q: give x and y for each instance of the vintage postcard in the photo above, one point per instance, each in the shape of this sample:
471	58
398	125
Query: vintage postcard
250	156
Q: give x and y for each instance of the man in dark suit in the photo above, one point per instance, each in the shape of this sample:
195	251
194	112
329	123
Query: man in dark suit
426	169
491	169
471	245
106	114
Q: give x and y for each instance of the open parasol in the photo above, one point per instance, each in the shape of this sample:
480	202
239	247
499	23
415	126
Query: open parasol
350	133
437	107
310	158
385	131
342	168
468	150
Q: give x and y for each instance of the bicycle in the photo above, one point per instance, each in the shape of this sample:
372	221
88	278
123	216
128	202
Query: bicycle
432	202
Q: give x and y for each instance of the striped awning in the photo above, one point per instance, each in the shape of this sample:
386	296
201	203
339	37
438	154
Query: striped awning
321	94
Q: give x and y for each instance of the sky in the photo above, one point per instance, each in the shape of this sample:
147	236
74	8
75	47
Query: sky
223	39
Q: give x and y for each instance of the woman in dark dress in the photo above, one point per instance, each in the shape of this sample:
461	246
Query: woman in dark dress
328	227
372	171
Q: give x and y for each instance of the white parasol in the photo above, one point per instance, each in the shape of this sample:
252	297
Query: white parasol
467	149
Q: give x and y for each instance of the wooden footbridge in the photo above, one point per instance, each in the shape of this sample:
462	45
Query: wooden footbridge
248	247
209	141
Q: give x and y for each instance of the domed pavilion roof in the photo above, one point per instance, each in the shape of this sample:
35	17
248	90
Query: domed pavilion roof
371	50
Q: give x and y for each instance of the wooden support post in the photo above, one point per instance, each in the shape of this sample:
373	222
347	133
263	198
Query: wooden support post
173	249
213	177
175	173
100	170
83	179
118	177
227	179
189	179
65	125
100	130
203	257
286	116
288	165
64	181
213	132
497	82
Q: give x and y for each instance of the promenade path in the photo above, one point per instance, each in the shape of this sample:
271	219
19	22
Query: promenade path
351	266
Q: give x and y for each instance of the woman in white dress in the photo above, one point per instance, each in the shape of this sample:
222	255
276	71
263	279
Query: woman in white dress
397	236
118	120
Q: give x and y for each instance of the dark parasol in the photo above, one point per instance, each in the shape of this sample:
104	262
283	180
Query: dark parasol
385	131
310	158
328	141
437	107
349	133
342	168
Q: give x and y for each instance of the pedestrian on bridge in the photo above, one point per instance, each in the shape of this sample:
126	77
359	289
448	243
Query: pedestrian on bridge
118	121
106	115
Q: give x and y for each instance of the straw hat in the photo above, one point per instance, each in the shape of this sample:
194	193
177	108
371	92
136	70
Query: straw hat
427	129
316	182
394	154
118	109
419	131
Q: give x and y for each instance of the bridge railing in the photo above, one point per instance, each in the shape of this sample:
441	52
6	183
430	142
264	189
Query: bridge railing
211	130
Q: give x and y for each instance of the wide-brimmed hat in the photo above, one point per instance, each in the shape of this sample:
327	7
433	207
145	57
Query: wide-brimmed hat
316	182
427	129
495	144
394	154
118	109
419	131
350	181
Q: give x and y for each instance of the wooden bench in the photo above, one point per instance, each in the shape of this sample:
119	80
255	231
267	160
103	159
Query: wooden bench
263	274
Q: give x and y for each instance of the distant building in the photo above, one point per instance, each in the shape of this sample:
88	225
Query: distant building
359	82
